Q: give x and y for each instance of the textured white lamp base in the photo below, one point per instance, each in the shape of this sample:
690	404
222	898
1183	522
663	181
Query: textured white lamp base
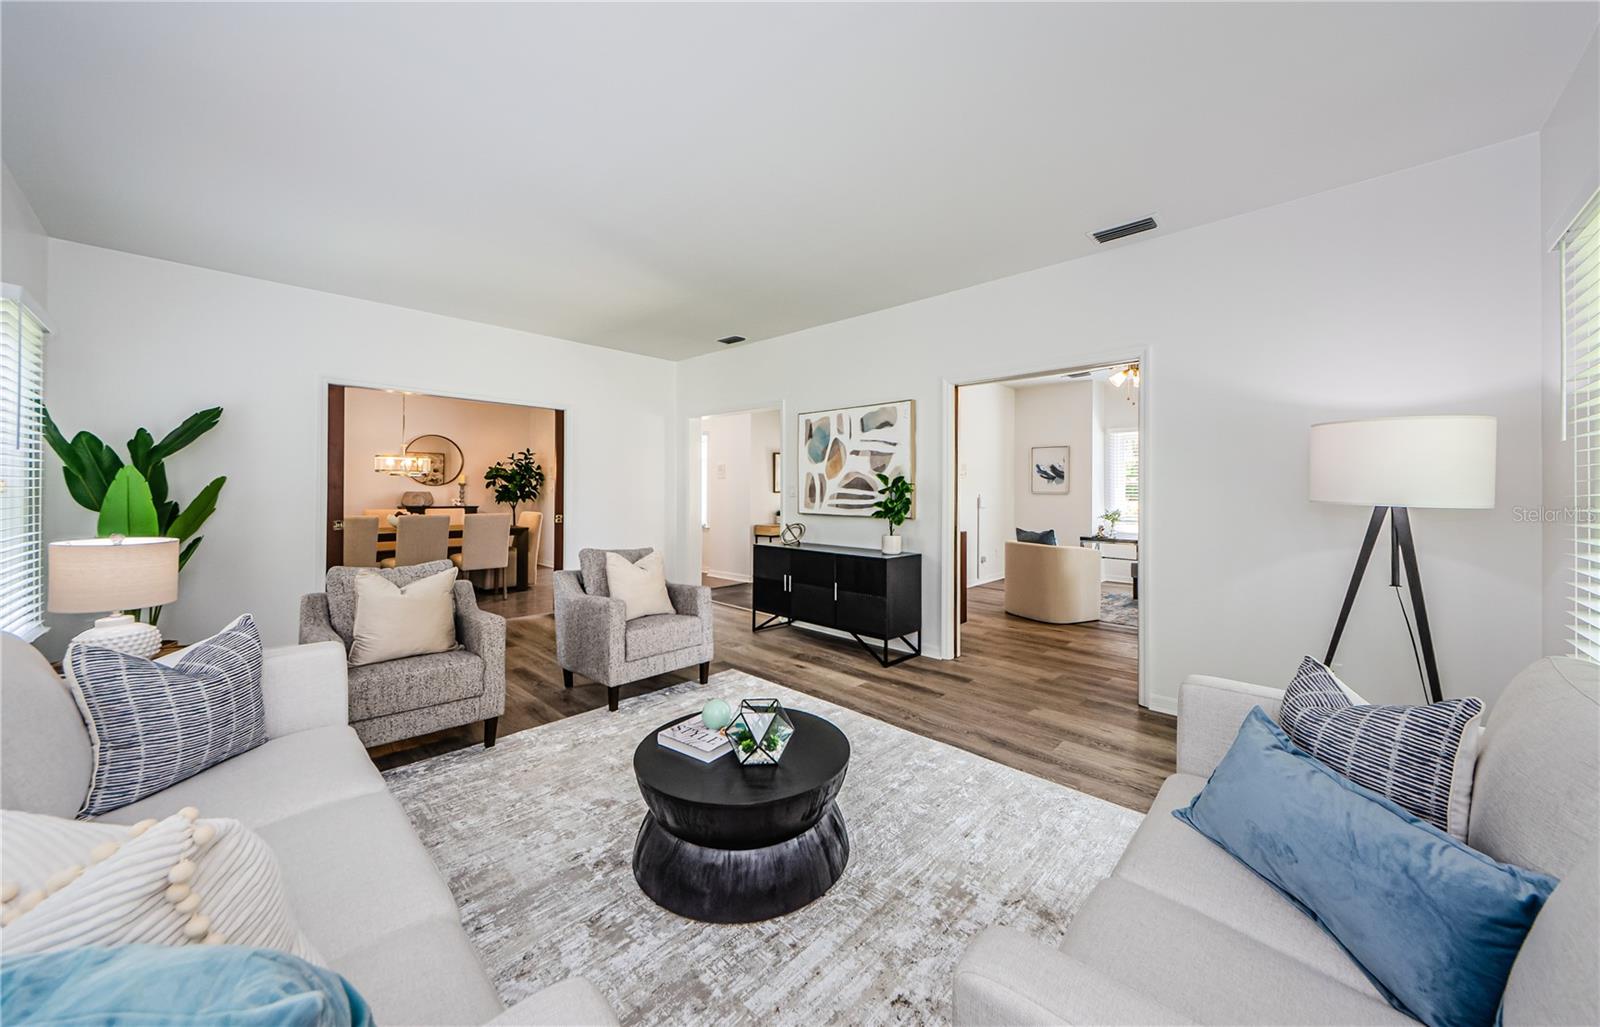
124	634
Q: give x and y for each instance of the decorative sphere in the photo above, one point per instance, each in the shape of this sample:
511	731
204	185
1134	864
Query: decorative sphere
716	715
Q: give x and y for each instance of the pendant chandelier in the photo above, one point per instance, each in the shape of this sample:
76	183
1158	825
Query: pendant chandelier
402	464
1129	373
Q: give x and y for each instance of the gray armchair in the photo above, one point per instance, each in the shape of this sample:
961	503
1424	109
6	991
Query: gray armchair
594	638
413	696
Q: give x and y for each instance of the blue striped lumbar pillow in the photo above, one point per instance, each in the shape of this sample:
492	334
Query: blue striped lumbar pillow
151	726
1418	757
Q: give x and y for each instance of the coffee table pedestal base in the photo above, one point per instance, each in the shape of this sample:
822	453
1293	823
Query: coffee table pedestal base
740	886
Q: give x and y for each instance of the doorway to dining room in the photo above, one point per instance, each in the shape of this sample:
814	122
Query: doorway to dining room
395	454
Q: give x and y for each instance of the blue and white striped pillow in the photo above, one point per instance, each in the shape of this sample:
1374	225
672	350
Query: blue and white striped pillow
151	726
1419	757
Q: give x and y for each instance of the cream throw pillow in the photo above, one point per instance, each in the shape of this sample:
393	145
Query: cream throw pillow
178	881
393	622
641	586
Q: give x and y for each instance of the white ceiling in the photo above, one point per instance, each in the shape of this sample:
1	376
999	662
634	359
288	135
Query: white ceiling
653	178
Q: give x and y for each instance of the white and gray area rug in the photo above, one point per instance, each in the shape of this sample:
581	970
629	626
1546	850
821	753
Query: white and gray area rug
535	837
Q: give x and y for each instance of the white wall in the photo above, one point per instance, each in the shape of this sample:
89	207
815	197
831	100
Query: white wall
1569	166
146	342
1414	292
765	440
988	471
24	257
486	432
1056	415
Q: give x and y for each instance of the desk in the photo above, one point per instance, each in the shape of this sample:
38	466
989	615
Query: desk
520	541
1100	541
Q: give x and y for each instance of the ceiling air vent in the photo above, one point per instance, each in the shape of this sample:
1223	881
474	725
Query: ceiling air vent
731	339
1123	231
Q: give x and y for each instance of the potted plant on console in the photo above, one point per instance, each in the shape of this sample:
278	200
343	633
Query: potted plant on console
894	506
516	480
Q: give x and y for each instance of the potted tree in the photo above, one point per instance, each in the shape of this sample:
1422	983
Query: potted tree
894	506
132	497
516	480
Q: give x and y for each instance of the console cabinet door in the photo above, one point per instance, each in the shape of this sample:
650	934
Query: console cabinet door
862	591
769	591
811	587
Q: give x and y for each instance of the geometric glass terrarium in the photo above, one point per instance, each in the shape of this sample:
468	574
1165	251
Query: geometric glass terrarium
760	732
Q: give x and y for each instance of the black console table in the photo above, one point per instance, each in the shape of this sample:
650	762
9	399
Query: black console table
863	592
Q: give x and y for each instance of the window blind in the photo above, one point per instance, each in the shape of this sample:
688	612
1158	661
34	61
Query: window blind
1580	329
21	471
1122	477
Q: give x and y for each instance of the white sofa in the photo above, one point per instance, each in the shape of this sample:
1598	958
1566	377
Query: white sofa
1183	933
361	885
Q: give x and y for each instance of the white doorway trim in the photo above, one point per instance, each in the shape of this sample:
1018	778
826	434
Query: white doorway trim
690	548
1149	500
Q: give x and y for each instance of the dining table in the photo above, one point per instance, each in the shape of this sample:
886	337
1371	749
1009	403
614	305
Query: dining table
521	542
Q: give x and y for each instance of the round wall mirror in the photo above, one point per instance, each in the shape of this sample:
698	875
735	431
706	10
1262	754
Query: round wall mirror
447	459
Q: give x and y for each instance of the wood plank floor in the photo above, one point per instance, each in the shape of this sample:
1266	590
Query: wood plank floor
1057	701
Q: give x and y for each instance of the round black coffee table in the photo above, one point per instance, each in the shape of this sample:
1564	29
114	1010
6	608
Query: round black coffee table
731	844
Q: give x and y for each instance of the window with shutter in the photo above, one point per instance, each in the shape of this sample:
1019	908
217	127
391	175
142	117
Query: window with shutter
1122	478
1580	301
21	470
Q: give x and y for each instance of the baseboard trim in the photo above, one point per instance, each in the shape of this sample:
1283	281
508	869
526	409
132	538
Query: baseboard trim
1163	704
743	579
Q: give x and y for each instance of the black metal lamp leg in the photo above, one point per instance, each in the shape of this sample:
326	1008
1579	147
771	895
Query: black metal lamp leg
1362	558
1408	553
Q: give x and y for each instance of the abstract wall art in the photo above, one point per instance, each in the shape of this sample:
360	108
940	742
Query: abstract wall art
1049	474
843	451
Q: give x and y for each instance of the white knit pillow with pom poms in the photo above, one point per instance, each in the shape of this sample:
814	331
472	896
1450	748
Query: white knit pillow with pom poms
70	883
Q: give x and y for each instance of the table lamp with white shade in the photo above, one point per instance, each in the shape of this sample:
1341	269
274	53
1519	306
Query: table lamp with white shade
96	575
1392	464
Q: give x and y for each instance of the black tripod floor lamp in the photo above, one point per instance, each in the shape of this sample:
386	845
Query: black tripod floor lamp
1392	464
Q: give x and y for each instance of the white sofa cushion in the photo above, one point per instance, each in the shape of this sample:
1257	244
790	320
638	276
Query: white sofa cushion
45	760
1190	963
423	973
356	873
1172	859
282	778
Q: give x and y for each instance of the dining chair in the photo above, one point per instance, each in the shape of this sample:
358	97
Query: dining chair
533	520
419	540
485	545
360	542
455	513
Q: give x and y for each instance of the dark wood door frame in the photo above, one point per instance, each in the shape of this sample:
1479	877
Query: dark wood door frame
334	549
333	545
558	561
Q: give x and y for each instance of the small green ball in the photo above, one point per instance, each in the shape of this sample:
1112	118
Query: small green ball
716	715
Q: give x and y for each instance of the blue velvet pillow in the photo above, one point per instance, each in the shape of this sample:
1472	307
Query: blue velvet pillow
189	985
1043	538
1433	924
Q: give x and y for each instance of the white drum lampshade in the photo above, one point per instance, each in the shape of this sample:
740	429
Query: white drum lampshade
1443	462
96	575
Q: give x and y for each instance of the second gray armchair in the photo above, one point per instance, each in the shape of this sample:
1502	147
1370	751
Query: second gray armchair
594	637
